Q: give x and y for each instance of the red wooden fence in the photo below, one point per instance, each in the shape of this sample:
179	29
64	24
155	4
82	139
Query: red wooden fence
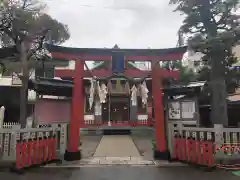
194	151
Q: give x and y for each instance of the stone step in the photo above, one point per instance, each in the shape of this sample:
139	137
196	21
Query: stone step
110	161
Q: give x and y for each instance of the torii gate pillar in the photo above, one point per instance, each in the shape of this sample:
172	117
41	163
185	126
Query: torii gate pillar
161	152
77	116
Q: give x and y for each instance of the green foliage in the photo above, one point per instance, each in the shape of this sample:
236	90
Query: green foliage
212	26
186	75
208	16
25	18
24	26
25	21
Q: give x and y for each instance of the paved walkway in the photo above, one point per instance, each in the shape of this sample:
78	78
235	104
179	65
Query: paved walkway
121	173
89	145
116	146
143	143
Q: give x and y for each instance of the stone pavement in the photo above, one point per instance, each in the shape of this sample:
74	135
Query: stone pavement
120	173
105	161
143	142
117	146
89	144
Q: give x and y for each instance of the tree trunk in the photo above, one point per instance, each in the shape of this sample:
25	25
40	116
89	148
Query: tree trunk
24	87
219	114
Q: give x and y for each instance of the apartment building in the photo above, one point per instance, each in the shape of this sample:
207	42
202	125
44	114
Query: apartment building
193	60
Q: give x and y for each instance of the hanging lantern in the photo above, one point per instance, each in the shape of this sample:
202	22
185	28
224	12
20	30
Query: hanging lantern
134	95
144	93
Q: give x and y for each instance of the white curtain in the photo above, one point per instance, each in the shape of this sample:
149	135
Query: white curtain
91	93
98	108
102	93
134	95
2	112
144	93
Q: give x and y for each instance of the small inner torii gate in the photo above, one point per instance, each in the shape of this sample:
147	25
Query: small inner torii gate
118	59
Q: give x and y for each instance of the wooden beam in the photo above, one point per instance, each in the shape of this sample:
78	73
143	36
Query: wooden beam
161	73
168	57
73	57
68	73
106	73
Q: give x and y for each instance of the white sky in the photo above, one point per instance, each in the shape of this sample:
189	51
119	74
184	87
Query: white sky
128	23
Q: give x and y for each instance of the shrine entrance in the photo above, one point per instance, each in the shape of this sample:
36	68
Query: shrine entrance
119	112
118	59
116	110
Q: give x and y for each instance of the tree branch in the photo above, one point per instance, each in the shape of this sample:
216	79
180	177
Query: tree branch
40	44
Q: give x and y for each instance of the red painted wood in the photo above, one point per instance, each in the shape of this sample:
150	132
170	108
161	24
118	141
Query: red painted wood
158	112
101	73
160	72
77	116
168	57
106	73
68	57
18	155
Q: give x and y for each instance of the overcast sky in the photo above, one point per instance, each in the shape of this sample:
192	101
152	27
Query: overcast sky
128	23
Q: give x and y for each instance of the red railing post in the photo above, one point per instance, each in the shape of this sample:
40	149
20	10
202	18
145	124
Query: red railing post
18	155
35	153
45	149
54	146
24	153
29	152
40	151
49	149
210	153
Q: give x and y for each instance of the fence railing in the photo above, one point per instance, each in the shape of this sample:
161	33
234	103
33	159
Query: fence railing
11	125
205	146
10	137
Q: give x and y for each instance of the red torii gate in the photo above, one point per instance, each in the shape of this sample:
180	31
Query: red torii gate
80	55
